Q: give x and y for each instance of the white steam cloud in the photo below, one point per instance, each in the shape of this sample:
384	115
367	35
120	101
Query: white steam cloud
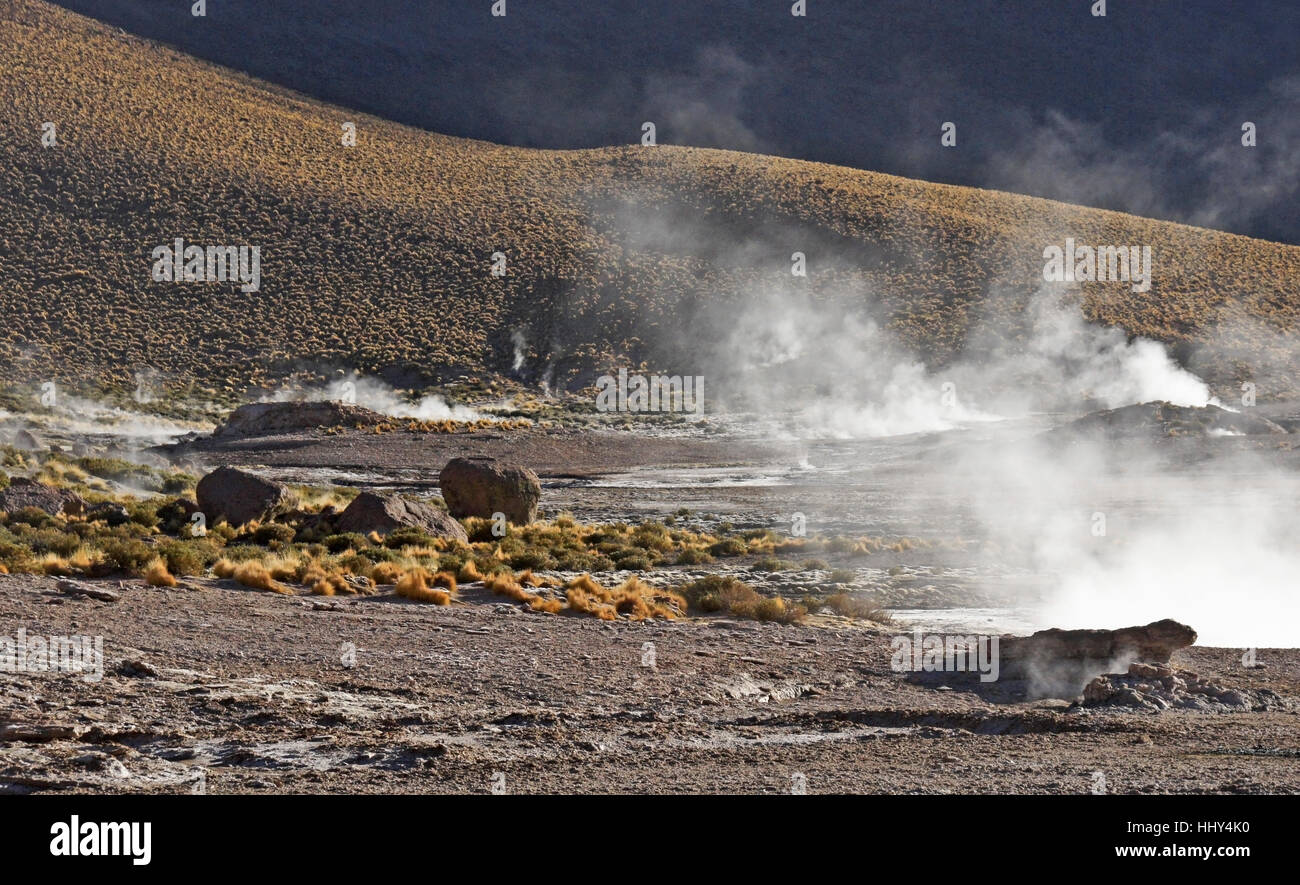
847	378
380	397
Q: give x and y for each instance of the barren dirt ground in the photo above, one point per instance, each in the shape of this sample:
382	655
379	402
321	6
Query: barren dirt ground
252	689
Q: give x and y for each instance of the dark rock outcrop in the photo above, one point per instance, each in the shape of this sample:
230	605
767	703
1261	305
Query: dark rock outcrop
109	511
269	419
484	486
383	513
239	497
1060	663
1159	419
22	493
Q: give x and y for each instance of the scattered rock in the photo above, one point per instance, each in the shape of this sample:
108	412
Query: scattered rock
101	762
77	588
39	734
22	493
382	513
484	486
268	419
136	668
1158	687
239	497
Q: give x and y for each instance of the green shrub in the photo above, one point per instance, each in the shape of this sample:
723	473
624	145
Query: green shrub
379	554
144	513
407	536
174	516
127	554
243	552
32	516
693	556
51	540
634	562
728	547
531	558
339	543
273	533
188	558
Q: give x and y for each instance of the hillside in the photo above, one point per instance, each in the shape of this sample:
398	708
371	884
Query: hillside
378	257
1047	97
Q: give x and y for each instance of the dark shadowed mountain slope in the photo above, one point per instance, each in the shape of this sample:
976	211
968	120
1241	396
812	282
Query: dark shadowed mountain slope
1139	111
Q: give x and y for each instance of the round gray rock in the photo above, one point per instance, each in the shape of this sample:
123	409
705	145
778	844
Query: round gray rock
239	497
484	486
369	512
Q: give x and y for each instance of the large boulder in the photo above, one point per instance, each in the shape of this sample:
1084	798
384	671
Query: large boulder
268	419
369	512
1061	662
484	486
239	497
22	493
27	441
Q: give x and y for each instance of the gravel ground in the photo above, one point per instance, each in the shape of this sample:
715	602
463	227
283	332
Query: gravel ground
215	687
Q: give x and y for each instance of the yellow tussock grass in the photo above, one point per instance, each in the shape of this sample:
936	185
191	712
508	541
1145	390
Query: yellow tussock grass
386	573
255	575
414	585
156	574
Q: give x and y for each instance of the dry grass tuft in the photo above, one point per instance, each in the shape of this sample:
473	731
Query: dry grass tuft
726	595
254	574
856	607
156	574
386	573
414	585
633	598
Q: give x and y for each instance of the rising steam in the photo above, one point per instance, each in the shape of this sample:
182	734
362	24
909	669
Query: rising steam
379	397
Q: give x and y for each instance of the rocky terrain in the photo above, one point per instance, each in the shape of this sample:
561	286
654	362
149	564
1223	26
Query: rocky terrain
444	567
213	687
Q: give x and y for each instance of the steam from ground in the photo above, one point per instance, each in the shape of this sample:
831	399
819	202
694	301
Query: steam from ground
1127	533
853	380
76	415
520	345
380	397
1122	532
